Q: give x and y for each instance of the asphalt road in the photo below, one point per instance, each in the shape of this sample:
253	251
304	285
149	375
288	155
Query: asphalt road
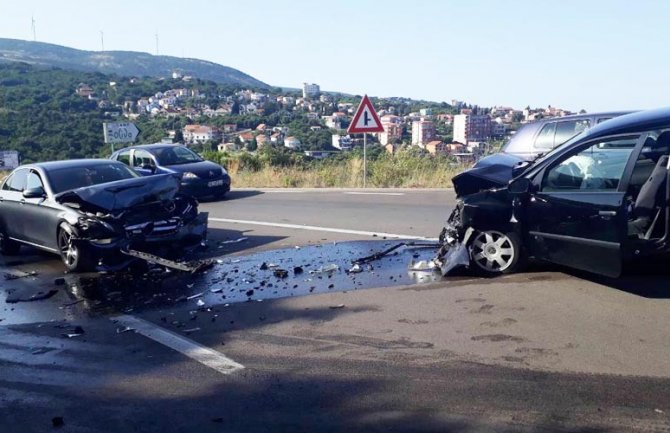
382	350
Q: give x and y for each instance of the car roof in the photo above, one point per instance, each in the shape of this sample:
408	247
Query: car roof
579	116
633	122
151	146
70	163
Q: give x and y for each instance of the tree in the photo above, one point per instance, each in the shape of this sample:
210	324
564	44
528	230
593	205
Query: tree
251	146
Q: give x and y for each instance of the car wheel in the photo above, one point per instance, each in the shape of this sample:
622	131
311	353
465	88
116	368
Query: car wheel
8	247
73	256
495	253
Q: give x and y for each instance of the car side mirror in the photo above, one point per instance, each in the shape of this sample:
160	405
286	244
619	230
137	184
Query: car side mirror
519	186
37	192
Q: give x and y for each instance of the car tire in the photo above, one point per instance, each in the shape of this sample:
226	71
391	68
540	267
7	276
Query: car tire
74	257
8	247
494	253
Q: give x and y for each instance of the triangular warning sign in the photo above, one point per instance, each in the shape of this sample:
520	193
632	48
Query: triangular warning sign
365	119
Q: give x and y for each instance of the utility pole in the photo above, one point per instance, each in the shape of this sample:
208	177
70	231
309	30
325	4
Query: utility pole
32	18
102	41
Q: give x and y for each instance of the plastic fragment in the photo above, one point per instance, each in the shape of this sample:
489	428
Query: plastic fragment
200	303
280	273
355	269
336	307
234	241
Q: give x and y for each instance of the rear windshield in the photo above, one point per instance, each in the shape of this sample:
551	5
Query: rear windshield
175	155
66	179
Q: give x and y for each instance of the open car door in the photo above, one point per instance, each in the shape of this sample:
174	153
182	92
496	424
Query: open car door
577	215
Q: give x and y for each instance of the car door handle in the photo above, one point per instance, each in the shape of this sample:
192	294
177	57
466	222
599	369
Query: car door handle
608	213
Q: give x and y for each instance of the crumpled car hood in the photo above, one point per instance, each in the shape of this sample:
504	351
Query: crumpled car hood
490	172
123	194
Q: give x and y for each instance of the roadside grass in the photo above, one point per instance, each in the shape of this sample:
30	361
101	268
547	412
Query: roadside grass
385	172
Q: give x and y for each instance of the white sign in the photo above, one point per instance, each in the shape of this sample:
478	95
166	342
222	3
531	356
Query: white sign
120	132
9	159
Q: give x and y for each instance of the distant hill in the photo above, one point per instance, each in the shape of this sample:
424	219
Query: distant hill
127	63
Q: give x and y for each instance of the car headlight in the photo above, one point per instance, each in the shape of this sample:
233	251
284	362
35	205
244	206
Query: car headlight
189	175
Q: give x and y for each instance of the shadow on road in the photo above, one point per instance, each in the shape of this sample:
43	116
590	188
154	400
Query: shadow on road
234	195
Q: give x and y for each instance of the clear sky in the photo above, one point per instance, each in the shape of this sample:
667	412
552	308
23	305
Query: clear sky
597	55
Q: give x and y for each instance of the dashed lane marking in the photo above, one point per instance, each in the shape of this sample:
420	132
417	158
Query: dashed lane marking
204	355
320	229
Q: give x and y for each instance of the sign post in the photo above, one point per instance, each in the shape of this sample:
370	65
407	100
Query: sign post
365	120
119	132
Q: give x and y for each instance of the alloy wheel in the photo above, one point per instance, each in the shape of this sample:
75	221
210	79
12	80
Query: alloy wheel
493	251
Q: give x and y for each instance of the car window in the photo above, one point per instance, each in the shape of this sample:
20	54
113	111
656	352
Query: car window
142	157
599	167
545	139
175	155
34	181
602	119
568	129
66	179
17	181
124	157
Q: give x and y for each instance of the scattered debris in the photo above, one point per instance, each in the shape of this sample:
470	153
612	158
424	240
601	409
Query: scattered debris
658	411
197	295
234	241
280	273
297	270
124	329
336	307
264	266
28	294
14	275
190	330
193	267
250	292
200	303
355	269
326	269
77	331
41	350
422	265
59	281
216	290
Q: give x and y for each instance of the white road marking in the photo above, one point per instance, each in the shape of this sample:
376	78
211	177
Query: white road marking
320	229
279	191
204	355
372	193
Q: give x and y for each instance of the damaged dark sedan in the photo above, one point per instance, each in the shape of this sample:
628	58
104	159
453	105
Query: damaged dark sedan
593	203
92	212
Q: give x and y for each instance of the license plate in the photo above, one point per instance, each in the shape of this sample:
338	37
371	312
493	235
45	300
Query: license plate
215	183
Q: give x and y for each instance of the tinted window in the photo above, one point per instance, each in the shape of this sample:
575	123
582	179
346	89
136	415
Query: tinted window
602	119
176	155
124	157
599	167
17	181
65	179
142	157
521	141
568	129
34	181
545	139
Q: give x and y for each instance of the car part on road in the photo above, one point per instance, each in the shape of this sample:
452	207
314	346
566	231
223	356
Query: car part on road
194	267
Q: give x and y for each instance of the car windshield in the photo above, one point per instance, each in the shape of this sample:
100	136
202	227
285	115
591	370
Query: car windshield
69	178
543	156
175	155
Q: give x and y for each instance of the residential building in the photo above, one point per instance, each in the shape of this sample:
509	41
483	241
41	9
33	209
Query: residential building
342	142
229	127
310	90
200	133
436	147
227	147
392	131
319	154
84	90
262	140
426	112
470	127
291	142
423	132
